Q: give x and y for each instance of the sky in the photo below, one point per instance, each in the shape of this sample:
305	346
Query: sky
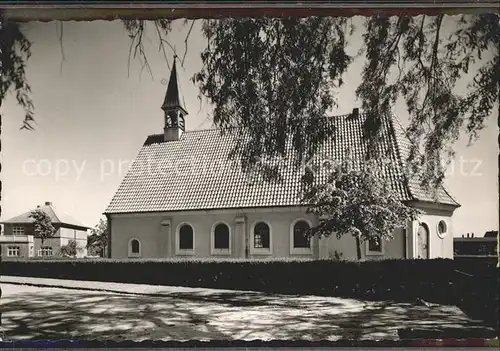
93	115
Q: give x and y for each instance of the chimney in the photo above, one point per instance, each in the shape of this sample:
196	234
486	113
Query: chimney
472	235
355	113
48	203
463	235
467	234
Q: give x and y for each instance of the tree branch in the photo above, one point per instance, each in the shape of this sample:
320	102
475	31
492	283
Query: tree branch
60	25
162	41
136	36
186	42
421	44
425	70
129	56
431	80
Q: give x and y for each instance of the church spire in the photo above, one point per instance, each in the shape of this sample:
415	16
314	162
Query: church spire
173	109
172	100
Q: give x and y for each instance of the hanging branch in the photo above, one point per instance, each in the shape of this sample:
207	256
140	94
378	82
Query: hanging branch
186	43
60	33
15	52
136	32
161	47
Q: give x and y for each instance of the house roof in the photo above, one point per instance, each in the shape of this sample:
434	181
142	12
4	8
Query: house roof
491	234
477	239
194	173
56	217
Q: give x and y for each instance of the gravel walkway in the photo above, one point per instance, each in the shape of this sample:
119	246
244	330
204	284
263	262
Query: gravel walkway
62	309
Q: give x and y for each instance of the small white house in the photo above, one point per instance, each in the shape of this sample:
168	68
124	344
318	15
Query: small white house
19	240
182	197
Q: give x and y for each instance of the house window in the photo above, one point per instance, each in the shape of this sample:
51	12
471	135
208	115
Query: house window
134	248
375	246
185	240
221	239
261	234
442	229
45	251
299	240
18	230
13	251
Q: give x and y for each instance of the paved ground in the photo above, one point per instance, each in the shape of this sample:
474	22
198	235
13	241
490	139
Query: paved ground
142	312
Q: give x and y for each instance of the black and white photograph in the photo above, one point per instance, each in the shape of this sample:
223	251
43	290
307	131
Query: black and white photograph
169	174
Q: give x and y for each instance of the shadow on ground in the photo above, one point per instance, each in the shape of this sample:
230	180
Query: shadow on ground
51	313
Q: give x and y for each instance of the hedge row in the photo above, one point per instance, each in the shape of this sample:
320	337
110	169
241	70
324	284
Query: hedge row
470	284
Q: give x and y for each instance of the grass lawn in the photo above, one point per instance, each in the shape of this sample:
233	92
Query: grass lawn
142	312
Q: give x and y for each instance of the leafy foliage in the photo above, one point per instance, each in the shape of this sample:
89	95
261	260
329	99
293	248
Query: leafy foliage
42	225
71	249
274	79
136	29
97	241
15	51
357	200
271	82
415	49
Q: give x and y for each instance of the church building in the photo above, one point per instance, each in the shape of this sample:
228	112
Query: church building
183	197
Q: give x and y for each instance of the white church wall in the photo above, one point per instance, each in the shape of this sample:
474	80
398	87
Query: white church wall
155	243
346	247
159	241
145	229
440	246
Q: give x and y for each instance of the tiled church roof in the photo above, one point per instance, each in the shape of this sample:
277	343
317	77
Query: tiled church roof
194	173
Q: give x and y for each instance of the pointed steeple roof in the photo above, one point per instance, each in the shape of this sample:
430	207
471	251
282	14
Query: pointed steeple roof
172	100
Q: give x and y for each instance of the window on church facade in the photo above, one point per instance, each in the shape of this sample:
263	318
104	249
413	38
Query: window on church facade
134	248
375	246
300	239
262	236
185	239
221	236
221	239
